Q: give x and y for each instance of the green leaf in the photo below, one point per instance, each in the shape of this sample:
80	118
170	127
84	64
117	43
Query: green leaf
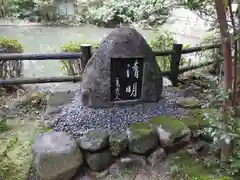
235	163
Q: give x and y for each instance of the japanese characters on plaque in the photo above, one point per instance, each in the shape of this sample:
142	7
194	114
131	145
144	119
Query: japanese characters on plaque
126	78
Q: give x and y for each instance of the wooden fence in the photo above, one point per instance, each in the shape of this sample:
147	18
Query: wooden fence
85	54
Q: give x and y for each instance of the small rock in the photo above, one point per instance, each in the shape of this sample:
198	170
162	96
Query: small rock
192	91
167	82
94	141
191	152
133	161
118	143
157	156
3	112
195	133
189	102
59	98
199	148
200	145
103	174
99	161
171	131
56	156
142	139
55	102
47	124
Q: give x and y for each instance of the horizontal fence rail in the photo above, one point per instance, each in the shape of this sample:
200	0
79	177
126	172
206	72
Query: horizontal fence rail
77	55
85	54
40	80
188	50
39	56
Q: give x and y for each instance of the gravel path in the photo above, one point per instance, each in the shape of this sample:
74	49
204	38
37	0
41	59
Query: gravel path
77	119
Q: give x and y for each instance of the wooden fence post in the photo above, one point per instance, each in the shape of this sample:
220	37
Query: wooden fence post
85	49
175	61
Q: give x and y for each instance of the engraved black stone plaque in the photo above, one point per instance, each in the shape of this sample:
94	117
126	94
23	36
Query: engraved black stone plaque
126	78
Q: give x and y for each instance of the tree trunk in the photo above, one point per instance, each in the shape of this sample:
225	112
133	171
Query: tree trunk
226	150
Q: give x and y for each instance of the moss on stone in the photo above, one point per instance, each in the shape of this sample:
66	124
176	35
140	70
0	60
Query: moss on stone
141	138
169	123
140	128
190	122
118	143
188	102
94	140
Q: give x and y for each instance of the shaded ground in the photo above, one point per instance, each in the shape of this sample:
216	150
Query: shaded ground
17	140
178	166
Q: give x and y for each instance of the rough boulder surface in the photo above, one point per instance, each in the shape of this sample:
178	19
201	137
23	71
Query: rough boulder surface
118	143
99	161
78	118
171	131
93	141
142	139
56	156
122	42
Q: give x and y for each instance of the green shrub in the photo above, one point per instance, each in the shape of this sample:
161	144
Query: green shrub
72	66
109	13
22	9
164	41
10	44
10	69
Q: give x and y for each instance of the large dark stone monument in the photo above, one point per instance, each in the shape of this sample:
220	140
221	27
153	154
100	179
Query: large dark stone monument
123	70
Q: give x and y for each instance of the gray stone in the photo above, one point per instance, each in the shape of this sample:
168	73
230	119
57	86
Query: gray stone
142	139
3	112
99	161
59	98
192	91
132	161
122	42
171	131
56	156
118	143
157	156
55	102
93	141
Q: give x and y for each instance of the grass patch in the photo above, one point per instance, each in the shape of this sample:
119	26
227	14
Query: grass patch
3	126
185	167
15	147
